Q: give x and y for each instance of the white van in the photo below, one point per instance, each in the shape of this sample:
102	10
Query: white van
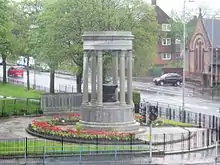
22	61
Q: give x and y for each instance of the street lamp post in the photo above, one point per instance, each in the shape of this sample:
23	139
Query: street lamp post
212	51
216	66
34	75
184	52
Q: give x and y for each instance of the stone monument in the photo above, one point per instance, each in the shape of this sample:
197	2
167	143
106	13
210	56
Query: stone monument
111	113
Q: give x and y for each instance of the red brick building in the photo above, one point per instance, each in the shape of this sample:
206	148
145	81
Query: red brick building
203	56
168	48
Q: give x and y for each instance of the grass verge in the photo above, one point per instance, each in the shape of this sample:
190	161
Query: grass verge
172	123
37	146
18	91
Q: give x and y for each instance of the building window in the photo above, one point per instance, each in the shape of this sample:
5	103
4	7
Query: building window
166	56
166	27
177	42
166	41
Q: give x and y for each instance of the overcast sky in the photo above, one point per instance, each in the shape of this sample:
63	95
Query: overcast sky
177	5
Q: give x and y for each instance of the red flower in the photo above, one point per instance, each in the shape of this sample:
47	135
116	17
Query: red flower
44	126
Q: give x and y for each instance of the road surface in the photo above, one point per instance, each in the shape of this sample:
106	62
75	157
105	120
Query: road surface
66	82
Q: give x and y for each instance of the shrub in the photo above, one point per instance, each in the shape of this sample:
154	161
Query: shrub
136	97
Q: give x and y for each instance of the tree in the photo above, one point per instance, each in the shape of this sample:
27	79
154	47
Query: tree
26	13
47	44
65	21
7	41
177	26
177	21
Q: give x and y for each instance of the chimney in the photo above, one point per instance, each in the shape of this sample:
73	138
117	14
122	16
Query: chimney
154	2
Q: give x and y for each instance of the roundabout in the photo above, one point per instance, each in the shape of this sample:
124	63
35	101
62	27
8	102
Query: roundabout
67	128
168	137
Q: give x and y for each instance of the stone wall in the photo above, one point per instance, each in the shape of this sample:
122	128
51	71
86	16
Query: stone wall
61	102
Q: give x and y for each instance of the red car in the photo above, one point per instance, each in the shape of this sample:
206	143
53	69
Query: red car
15	72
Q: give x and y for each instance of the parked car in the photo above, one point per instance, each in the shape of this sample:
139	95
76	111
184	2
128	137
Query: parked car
15	72
44	67
169	78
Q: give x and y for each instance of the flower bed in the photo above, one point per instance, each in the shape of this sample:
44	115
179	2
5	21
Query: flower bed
138	117
52	129
67	119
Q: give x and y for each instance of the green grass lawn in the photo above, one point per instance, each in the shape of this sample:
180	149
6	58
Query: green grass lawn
18	91
37	146
22	104
166	122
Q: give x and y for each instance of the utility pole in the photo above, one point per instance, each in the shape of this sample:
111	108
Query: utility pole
184	53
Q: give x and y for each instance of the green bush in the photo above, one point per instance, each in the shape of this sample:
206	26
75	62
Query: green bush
9	107
172	123
136	97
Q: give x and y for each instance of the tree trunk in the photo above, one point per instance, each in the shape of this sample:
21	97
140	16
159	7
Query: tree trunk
4	69
28	74
52	81
79	82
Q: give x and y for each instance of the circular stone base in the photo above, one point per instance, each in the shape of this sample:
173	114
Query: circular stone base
109	117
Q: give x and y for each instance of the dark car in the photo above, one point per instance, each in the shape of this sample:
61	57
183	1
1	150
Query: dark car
169	78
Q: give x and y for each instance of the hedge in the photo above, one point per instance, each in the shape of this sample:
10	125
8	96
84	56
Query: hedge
136	97
9	107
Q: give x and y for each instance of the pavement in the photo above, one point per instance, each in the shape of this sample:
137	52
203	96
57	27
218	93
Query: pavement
15	128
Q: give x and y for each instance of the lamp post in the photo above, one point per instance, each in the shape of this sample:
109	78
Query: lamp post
212	52
184	52
216	66
34	74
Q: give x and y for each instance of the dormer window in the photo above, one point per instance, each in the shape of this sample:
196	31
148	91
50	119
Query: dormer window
166	27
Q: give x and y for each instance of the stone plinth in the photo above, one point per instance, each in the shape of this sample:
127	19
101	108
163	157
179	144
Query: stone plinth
109	117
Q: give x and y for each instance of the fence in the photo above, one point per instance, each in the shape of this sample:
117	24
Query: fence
33	147
32	86
19	106
173	112
162	143
210	122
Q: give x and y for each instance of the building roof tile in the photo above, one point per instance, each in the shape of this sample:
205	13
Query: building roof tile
215	23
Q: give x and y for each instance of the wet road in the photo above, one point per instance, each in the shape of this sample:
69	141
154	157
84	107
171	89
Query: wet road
191	103
67	83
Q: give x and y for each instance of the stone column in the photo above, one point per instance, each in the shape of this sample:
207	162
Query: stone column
99	79
85	77
122	77
115	72
129	79
93	78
